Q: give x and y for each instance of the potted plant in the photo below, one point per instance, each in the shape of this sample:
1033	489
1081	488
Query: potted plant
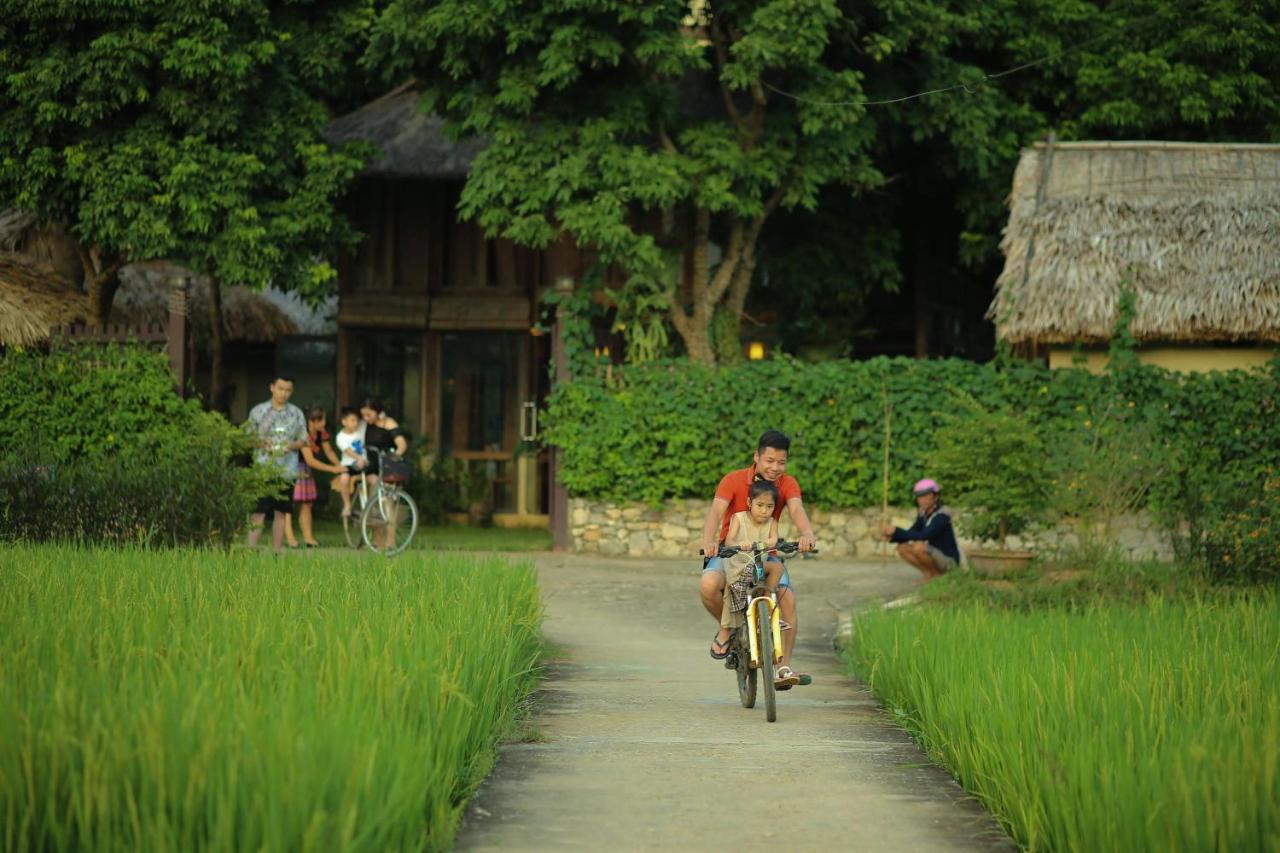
994	465
475	489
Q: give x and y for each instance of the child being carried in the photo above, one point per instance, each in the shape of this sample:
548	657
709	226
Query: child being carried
350	441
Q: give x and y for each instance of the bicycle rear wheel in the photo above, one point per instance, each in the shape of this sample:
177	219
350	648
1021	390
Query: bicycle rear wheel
746	675
389	521
766	659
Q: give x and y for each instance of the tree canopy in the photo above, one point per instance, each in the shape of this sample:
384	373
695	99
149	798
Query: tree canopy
641	130
180	130
879	137
962	87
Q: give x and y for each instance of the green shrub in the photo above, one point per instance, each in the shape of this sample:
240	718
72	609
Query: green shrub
1107	462
431	485
107	452
90	401
995	464
435	490
1236	533
179	494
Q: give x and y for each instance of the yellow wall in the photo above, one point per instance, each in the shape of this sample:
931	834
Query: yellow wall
1185	359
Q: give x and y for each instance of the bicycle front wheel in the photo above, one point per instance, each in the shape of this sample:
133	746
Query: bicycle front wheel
351	531
766	659
389	521
746	675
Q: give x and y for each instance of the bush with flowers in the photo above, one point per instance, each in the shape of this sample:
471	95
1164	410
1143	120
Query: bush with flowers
1236	535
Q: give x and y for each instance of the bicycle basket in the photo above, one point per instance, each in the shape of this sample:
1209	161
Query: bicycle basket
395	470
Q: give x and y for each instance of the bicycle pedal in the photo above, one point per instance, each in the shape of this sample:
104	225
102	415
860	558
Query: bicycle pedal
731	662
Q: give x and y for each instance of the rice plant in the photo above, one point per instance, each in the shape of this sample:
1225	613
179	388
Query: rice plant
199	701
1148	726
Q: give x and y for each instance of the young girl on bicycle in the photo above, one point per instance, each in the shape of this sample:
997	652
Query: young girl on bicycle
755	525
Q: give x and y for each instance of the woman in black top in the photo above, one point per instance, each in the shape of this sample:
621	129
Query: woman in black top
381	431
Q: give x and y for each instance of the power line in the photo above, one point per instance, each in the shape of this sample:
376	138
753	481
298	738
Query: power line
969	88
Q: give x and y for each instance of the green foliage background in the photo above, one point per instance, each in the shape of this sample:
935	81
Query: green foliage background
181	130
671	429
101	449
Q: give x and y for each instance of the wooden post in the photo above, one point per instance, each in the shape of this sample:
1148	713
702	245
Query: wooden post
216	397
345	380
179	337
561	538
884	492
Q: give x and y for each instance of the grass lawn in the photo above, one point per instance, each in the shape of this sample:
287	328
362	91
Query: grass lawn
449	537
193	700
1149	724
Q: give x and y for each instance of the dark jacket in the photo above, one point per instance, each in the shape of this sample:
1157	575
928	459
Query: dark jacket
935	529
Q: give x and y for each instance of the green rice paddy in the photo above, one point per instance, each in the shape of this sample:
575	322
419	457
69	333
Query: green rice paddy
1114	727
181	701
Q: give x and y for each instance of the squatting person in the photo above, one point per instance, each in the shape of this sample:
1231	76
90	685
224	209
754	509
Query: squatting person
930	543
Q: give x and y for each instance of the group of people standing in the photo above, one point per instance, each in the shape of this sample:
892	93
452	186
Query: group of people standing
296	445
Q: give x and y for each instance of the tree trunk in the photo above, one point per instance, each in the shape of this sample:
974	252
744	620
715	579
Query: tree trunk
694	325
102	292
102	279
725	290
215	344
729	348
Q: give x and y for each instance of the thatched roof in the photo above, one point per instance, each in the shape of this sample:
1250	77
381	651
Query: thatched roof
15	224
413	143
48	243
34	299
1195	227
143	299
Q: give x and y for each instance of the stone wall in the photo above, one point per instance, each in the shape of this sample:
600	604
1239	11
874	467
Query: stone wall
675	530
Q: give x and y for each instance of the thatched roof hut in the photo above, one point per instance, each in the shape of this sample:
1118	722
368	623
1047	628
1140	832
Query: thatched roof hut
143	299
413	143
33	299
1195	228
47	242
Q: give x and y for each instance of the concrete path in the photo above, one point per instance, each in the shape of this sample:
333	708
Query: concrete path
642	744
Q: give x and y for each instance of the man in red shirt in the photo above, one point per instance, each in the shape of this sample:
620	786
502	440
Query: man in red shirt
769	463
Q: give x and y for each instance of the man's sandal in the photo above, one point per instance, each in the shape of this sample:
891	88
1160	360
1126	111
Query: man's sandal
723	646
784	678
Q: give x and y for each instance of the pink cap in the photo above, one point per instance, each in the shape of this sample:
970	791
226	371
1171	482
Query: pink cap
926	486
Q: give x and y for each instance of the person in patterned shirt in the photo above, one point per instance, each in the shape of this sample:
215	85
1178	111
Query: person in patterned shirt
281	431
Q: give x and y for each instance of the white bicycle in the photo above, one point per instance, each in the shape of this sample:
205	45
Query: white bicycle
386	517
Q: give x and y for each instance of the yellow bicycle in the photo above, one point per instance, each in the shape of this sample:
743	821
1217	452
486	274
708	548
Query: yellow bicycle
755	649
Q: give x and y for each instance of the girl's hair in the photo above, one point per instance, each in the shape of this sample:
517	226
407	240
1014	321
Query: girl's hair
373	403
763	487
316	413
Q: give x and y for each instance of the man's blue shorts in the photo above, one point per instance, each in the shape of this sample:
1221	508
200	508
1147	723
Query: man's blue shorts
716	564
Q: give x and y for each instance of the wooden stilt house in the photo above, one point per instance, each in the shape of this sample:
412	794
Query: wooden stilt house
436	319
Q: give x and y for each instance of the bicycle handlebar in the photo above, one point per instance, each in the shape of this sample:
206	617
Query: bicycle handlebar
781	545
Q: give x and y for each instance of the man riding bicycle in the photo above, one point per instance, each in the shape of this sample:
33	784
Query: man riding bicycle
733	496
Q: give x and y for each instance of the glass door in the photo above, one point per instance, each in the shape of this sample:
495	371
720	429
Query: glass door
388	365
480	408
